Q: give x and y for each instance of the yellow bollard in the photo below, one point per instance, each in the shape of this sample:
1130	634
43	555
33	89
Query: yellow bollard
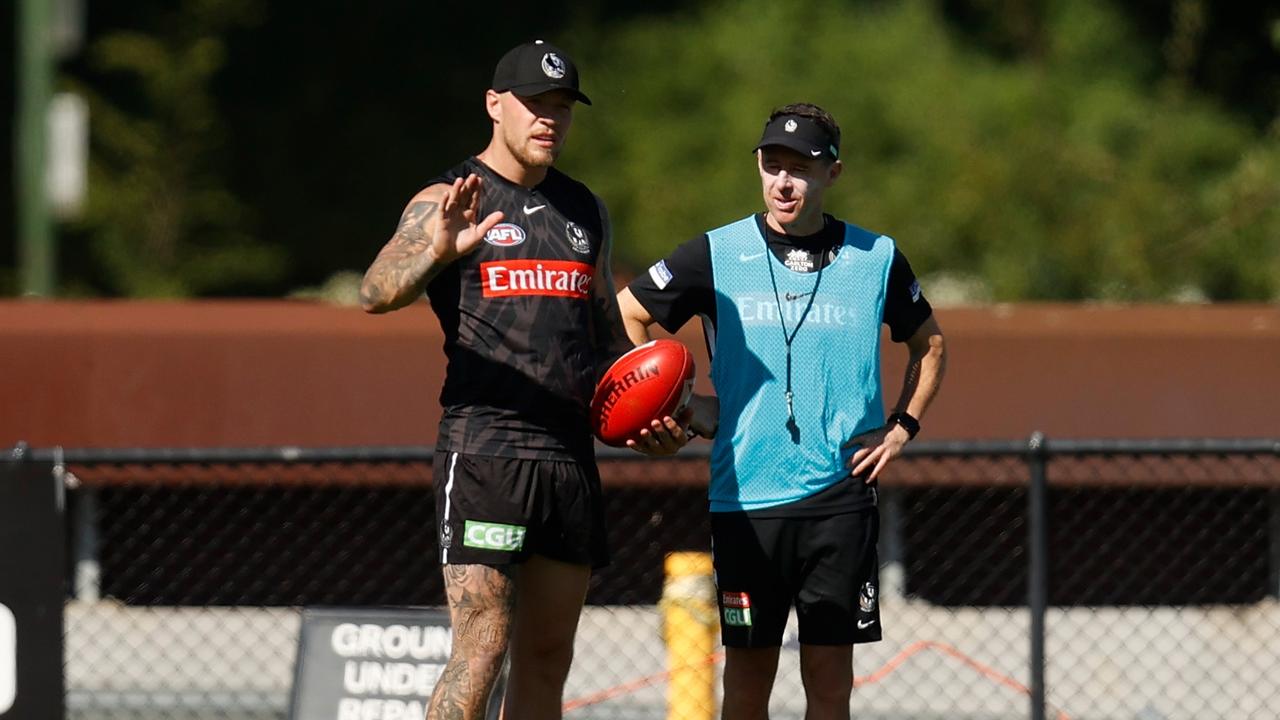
690	628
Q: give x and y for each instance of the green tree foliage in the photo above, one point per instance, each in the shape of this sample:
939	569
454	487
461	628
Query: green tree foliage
1061	173
161	220
1017	149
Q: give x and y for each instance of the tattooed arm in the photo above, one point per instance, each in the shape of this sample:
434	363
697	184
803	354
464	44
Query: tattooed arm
439	226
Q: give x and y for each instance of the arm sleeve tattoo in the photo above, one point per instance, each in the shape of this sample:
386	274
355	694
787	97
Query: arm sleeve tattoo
404	265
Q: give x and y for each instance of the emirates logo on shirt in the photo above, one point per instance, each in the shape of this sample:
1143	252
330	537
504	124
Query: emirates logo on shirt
554	278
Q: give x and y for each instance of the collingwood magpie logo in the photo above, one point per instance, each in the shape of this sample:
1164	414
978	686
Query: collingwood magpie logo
867	598
578	238
553	66
790	126
446	535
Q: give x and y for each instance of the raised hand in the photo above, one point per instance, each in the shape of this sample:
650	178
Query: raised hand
457	231
438	227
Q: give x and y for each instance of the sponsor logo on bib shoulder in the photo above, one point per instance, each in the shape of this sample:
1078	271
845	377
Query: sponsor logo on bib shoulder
660	274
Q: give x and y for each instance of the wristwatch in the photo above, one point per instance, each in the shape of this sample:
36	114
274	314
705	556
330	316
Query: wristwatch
906	422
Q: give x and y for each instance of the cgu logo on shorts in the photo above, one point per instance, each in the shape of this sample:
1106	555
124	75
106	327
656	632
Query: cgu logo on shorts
493	536
556	278
736	608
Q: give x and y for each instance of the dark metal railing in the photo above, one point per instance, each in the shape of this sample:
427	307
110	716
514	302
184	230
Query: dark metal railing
1037	454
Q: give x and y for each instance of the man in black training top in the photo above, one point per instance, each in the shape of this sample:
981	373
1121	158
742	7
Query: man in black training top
514	257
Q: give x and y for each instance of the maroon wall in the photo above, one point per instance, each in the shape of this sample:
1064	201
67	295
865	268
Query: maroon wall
251	373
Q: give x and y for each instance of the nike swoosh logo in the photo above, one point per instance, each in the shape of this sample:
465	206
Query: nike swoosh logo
864	624
531	210
815	153
749	258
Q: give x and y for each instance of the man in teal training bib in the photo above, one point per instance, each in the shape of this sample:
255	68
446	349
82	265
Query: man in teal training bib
792	301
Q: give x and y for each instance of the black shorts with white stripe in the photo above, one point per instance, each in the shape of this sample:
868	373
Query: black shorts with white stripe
499	510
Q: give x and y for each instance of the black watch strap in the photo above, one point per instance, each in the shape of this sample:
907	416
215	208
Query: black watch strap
906	422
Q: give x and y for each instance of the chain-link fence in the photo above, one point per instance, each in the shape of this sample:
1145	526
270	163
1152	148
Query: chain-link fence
1135	581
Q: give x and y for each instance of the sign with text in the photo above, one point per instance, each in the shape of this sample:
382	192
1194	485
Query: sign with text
371	664
31	595
8	658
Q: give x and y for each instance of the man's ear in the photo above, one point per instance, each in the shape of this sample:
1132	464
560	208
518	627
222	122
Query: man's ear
837	167
493	105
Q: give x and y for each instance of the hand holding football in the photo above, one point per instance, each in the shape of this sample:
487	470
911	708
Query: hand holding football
648	383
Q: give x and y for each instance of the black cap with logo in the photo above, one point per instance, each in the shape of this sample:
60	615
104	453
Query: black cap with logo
535	68
802	134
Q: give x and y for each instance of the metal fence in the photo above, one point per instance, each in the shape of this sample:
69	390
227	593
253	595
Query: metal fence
1063	579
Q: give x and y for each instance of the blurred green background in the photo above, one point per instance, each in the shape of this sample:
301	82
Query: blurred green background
1016	149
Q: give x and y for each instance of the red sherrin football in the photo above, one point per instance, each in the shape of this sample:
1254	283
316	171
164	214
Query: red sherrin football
649	382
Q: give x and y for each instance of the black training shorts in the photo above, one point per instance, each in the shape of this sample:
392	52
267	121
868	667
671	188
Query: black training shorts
499	511
826	566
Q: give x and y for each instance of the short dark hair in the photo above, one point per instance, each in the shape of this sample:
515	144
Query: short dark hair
814	113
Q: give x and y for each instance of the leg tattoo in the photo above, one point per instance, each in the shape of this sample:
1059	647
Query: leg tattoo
481	600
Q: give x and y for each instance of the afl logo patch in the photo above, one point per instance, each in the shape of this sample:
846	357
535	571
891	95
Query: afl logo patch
553	66
505	235
578	238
